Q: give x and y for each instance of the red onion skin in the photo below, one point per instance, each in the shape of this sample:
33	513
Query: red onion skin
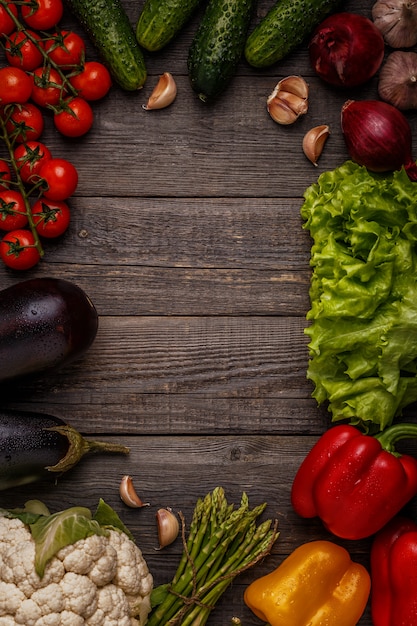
378	136
346	50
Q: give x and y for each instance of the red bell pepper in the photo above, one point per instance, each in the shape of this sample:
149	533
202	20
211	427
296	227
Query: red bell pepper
394	574
355	483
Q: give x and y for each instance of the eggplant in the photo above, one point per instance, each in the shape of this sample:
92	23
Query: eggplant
44	323
35	445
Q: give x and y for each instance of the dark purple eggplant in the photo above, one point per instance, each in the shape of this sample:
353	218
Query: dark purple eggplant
36	445
44	323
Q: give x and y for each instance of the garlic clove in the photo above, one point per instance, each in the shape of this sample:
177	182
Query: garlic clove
288	100
168	527
163	94
128	494
313	142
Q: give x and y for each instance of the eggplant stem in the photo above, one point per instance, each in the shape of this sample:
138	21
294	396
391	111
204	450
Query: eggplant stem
78	447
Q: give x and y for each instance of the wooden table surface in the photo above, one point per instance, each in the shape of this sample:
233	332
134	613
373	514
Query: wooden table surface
186	234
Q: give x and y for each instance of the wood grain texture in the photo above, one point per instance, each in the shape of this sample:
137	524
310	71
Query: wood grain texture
186	233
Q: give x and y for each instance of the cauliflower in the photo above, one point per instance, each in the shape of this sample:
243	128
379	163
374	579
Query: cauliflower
50	577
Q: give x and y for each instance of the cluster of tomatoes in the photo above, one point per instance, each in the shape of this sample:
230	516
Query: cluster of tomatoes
46	71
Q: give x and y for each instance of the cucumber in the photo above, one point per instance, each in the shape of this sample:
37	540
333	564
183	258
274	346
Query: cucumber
218	46
109	28
283	28
161	20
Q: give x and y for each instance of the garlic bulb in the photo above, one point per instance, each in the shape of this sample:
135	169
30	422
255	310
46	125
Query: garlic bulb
288	100
163	94
397	21
398	80
313	142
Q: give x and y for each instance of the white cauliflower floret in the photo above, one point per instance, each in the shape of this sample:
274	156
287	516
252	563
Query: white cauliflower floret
102	580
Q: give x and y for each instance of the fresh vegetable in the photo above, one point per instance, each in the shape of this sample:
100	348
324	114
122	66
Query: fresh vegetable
346	49
218	45
283	28
22	51
394	574
45	323
42	14
7	24
222	542
288	100
35	446
313	142
160	21
378	136
128	494
163	94
397	83
15	85
12	210
93	82
318	583
24	123
355	483
18	249
168	527
71	567
30	157
74	117
48	86
59	179
66	49
397	21
109	28
51	217
362	321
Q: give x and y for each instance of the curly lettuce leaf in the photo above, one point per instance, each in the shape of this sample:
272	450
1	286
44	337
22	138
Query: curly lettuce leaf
363	293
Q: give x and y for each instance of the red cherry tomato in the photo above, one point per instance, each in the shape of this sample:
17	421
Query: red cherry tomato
51	217
15	85
61	179
44	16
75	119
22	52
25	123
66	49
47	86
5	174
12	210
7	25
18	250
30	157
93	82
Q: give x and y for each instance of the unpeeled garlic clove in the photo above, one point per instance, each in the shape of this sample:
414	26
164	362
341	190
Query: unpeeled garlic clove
313	142
288	100
168	527
128	494
163	94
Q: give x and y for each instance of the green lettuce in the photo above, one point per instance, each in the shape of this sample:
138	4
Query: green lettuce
362	324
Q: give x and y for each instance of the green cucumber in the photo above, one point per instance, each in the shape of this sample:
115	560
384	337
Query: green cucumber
161	20
283	28
218	45
109	28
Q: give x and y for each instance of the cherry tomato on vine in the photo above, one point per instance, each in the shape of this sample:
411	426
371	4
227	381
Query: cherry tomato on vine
5	174
51	218
75	119
22	52
12	210
44	16
30	157
18	250
93	82
61	179
66	49
15	85
47	86
7	25
26	123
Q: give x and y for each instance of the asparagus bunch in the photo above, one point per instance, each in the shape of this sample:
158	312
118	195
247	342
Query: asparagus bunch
222	542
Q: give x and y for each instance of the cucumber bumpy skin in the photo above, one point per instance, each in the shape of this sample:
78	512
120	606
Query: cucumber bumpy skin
283	28
109	28
161	20
218	46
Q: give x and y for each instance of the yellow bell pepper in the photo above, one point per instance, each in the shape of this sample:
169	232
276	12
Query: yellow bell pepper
316	585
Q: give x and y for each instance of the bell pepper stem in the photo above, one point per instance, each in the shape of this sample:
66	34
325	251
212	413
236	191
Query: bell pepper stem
388	437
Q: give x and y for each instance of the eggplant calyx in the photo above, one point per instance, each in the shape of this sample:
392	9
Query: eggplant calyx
78	447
